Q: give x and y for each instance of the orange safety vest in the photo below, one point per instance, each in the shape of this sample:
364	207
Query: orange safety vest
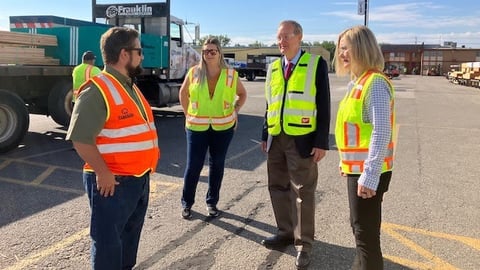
128	143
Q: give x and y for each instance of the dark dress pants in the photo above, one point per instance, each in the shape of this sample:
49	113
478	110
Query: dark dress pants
365	219
292	181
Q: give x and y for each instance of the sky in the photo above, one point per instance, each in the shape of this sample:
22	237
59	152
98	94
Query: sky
249	21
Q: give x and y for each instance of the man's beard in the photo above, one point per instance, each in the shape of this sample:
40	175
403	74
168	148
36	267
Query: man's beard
134	71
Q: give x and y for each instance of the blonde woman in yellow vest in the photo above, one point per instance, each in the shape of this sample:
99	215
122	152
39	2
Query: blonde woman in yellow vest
211	97
363	133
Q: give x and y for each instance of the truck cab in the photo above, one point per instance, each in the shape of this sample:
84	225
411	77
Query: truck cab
167	57
32	87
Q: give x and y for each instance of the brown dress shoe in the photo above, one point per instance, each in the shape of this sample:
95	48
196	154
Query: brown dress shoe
277	241
303	260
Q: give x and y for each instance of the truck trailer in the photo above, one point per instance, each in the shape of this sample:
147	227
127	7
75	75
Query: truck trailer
46	88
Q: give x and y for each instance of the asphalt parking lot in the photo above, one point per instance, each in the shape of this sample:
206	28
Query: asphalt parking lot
430	217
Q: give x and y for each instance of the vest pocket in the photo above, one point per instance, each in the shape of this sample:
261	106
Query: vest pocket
300	125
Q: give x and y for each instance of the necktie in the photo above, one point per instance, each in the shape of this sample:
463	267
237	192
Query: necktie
288	70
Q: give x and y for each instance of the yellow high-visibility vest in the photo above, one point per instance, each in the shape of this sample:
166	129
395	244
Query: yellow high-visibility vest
292	106
352	134
81	74
218	111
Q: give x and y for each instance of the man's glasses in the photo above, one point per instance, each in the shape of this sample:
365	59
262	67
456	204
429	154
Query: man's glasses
285	37
212	52
139	50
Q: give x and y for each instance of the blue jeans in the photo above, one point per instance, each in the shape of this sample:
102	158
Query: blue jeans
198	142
116	222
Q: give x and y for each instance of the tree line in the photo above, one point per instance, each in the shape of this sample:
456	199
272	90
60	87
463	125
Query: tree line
225	41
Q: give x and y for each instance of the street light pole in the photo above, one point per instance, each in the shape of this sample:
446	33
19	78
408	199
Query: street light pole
363	10
94	4
366	13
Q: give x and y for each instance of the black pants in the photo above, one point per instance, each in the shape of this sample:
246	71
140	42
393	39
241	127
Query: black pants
365	219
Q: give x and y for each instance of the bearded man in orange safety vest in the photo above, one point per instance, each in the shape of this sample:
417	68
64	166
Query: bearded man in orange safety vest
113	130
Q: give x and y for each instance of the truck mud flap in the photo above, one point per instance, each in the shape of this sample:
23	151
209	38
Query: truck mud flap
60	103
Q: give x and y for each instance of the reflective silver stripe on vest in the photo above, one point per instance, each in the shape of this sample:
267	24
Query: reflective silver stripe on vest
127	131
301	97
88	70
113	90
268	79
352	134
356	169
127	147
307	93
294	112
272	114
276	98
390	152
198	120
230	74
216	120
354	156
360	156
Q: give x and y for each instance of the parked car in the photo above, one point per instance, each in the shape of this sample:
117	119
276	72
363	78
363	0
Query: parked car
391	72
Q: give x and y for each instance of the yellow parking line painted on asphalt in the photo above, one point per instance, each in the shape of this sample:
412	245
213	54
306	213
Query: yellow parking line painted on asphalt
5	164
472	242
44	186
41	164
29	260
48	153
155	193
438	263
241	154
39	179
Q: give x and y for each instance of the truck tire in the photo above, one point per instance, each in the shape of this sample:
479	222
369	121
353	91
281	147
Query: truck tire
14	120
251	76
60	103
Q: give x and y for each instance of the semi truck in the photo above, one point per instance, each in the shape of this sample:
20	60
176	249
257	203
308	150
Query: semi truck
46	89
256	66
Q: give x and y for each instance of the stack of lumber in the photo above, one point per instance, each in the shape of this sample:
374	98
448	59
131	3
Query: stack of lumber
471	70
21	49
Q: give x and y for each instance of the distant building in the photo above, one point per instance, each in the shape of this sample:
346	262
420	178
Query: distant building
427	59
424	59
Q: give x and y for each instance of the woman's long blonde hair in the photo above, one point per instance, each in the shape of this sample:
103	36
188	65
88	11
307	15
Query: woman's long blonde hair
365	53
202	66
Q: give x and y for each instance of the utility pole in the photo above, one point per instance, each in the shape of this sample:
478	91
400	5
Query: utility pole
363	10
94	4
365	22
